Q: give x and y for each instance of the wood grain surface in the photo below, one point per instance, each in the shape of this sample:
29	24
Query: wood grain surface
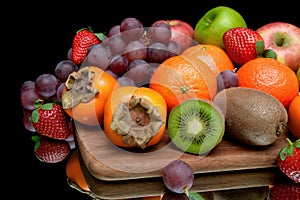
106	162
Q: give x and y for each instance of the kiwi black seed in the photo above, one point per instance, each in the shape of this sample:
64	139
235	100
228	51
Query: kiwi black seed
196	126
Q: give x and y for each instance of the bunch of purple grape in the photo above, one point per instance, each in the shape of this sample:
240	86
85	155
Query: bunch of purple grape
131	52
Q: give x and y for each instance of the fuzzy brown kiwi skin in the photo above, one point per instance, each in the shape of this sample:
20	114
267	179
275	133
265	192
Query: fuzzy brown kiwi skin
252	116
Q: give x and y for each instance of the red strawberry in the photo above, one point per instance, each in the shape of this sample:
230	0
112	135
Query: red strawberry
288	160
50	120
50	150
83	39
244	44
285	191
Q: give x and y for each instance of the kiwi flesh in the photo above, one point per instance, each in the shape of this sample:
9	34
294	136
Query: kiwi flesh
252	116
196	126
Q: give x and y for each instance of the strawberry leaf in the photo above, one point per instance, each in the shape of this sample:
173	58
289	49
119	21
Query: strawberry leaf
36	139
35	115
269	53
259	47
47	106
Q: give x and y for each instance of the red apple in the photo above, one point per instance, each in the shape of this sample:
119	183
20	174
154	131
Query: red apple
182	32
284	39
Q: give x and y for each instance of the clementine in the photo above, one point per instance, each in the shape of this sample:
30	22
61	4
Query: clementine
215	57
178	79
294	116
271	76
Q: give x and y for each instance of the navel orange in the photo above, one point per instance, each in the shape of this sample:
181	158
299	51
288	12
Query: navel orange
271	76
178	79
215	57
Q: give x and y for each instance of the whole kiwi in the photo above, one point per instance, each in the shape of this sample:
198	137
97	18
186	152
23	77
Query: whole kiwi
252	116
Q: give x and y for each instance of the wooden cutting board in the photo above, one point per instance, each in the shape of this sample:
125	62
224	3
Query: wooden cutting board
106	162
204	183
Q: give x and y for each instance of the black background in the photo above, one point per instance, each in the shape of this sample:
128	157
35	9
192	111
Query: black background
42	35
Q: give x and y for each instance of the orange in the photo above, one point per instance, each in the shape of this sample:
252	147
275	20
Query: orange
294	116
178	79
271	76
74	172
215	57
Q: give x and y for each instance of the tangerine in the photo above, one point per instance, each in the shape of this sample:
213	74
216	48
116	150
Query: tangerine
294	116
271	76
215	57
178	79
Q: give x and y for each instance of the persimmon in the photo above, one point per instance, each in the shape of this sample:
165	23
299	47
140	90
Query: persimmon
74	172
85	94
135	117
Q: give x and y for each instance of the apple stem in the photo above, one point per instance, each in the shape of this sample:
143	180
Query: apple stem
280	41
208	20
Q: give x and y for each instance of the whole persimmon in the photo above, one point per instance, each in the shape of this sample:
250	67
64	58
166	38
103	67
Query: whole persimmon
135	117
85	94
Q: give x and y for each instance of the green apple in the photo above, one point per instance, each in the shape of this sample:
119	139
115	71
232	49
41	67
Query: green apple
211	27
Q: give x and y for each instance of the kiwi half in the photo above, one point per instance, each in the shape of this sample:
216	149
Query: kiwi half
196	126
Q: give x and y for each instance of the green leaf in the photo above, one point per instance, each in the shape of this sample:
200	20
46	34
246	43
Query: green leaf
283	153
35	115
47	106
36	139
269	53
260	47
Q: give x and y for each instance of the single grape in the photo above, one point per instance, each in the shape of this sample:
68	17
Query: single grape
226	79
119	65
111	73
136	50
125	81
117	45
114	30
28	98
69	54
46	84
131	29
159	32
169	195
64	68
26	121
100	56
140	72
178	176
157	53
59	90
174	48
27	85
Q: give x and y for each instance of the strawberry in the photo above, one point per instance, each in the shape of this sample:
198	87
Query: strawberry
284	191
50	150
50	120
288	160
244	44
83	39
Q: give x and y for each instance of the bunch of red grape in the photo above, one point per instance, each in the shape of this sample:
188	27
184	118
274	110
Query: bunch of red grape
131	52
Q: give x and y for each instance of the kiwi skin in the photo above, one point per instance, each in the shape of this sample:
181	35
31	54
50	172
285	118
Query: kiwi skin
252	116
